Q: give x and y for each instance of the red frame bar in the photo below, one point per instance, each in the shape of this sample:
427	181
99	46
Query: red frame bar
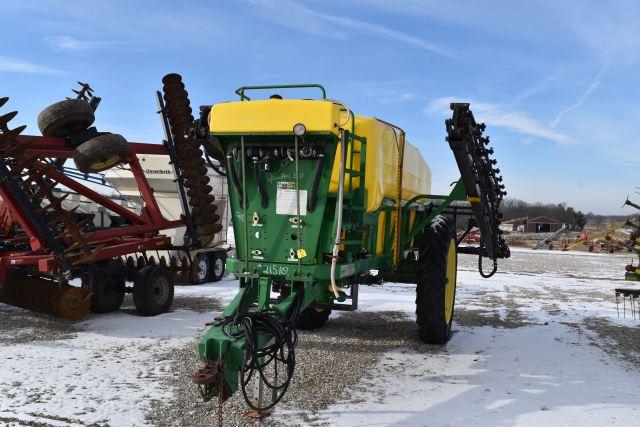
46	262
146	191
132	230
44	146
128	246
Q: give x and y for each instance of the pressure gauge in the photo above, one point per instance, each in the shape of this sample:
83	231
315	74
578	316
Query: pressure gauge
299	129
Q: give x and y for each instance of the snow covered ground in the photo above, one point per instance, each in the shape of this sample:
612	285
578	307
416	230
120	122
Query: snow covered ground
540	343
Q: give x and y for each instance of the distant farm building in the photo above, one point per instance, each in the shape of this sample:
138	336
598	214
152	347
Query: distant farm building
542	224
516	224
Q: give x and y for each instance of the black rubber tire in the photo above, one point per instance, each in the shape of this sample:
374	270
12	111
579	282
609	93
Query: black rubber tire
65	118
201	269
433	327
107	289
101	153
153	290
217	264
312	318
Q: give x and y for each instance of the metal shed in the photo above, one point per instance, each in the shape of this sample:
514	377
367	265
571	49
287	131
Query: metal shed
542	224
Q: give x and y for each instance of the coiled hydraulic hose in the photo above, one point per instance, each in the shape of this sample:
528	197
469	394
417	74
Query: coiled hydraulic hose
278	332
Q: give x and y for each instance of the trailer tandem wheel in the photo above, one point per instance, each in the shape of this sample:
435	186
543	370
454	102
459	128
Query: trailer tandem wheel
216	262
436	287
200	269
153	290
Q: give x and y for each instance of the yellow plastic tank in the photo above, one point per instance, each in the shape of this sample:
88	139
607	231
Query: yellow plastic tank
279	116
382	163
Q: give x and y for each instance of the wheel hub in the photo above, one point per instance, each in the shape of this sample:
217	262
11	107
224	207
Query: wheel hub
218	267
202	269
160	290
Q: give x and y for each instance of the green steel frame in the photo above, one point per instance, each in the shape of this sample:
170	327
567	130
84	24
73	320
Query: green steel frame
241	91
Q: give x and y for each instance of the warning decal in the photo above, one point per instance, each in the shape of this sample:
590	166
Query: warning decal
286	199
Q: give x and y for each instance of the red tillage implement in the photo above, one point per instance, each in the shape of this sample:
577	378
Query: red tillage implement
43	245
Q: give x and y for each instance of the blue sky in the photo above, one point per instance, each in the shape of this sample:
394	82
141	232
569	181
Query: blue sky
556	82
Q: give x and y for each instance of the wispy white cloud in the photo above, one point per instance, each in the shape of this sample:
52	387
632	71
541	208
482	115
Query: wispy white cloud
496	116
17	65
535	88
296	16
612	31
68	43
581	100
386	92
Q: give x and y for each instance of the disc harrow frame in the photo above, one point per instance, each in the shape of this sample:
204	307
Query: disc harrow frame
43	245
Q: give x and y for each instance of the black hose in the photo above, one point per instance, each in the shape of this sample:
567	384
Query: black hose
313	197
254	327
234	178
264	197
493	270
216	168
495	262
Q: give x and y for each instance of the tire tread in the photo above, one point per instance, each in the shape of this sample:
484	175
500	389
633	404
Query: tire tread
430	290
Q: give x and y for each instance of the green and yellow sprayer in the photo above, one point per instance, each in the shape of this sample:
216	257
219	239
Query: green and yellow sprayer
324	201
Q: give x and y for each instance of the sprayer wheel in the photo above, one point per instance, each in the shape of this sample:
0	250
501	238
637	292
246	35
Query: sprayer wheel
436	287
312	318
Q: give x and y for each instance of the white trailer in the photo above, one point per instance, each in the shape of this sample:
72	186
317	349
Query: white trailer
209	262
